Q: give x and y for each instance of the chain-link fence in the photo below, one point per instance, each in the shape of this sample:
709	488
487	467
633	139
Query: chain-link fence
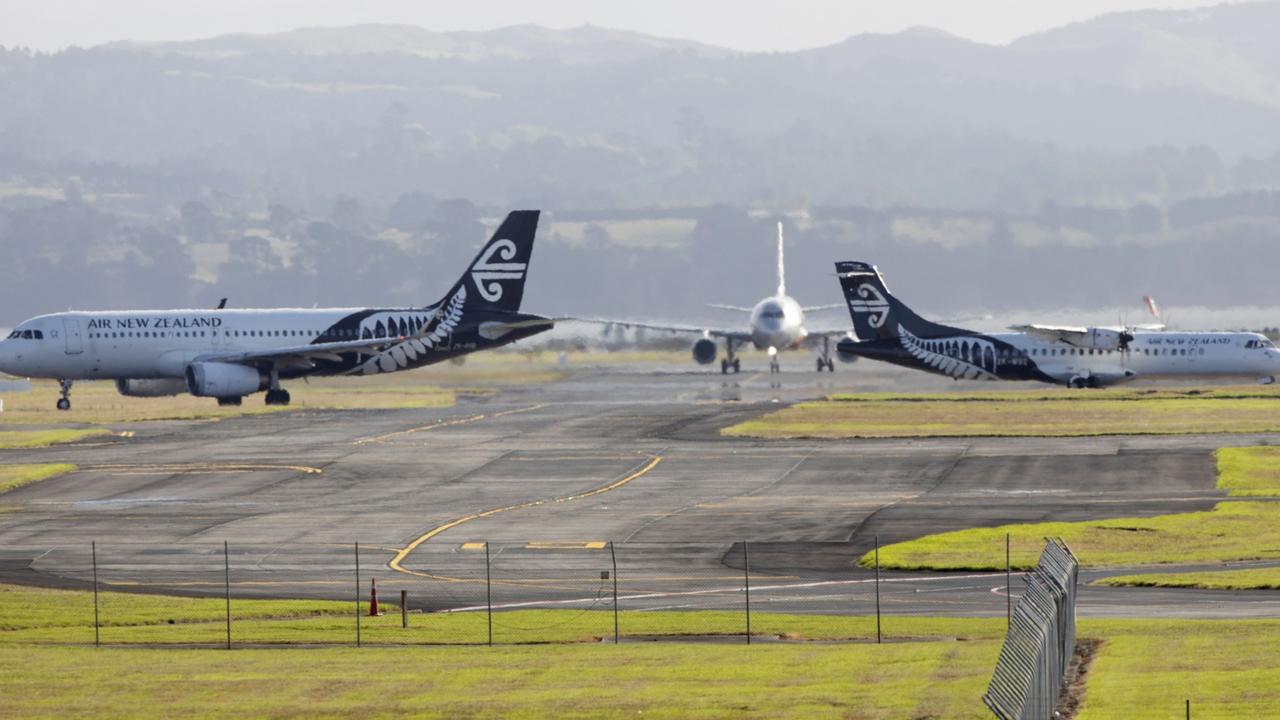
1040	642
476	593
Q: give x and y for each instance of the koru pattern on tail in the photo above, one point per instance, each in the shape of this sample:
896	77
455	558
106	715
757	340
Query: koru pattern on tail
401	355
959	357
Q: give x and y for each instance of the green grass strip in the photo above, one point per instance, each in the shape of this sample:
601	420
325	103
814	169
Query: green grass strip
1231	531
15	476
19	439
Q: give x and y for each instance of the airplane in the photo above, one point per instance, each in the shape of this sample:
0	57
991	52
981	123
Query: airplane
1079	357
230	354
776	324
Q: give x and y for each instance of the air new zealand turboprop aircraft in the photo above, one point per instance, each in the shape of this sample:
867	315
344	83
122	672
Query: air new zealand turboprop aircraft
1079	357
228	354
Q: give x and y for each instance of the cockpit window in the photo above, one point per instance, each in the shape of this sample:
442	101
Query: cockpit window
26	335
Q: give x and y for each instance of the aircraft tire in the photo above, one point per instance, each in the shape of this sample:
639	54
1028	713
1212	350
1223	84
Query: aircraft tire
64	404
737	366
724	367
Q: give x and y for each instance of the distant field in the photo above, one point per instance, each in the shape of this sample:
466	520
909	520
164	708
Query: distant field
1143	668
1231	531
1039	413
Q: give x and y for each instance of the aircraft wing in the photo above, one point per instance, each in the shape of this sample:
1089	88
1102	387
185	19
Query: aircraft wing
821	308
303	354
1054	333
739	335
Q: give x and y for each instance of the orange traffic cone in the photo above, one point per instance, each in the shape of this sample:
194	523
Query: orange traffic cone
373	598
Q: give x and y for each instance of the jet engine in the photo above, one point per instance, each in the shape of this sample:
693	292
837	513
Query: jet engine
1104	339
704	351
161	387
224	380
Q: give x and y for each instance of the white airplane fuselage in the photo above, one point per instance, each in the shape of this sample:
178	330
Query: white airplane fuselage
162	343
777	323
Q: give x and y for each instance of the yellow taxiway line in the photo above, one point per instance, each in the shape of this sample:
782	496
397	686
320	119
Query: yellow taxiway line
400	556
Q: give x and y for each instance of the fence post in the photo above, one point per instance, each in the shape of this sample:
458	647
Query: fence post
877	589
404	609
1188	708
614	558
96	638
746	584
357	593
1008	585
488	591
226	567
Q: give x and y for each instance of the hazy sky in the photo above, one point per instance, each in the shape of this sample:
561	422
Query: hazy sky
744	25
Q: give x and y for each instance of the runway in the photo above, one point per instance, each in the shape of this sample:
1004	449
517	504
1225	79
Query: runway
550	475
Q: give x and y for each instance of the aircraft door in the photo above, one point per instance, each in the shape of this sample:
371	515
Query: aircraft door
71	328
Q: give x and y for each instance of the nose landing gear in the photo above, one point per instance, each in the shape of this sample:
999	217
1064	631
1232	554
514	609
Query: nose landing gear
64	402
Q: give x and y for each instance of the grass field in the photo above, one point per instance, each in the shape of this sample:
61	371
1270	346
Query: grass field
15	476
1148	668
1231	531
1240	579
1143	669
30	615
1249	471
1038	413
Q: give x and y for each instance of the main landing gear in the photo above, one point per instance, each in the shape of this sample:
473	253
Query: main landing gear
64	402
730	361
774	367
824	360
276	395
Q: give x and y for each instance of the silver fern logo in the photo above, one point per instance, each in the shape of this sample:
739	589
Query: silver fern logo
486	272
959	357
872	303
403	354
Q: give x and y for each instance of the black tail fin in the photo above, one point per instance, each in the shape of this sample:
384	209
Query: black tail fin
495	279
876	313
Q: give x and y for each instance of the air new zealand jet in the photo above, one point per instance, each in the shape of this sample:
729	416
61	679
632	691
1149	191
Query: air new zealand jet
888	330
228	354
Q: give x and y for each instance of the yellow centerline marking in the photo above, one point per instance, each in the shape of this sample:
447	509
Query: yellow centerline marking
443	423
505	413
561	545
424	428
396	561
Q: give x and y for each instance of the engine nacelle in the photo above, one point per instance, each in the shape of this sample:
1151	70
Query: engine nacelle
224	380
846	357
1105	339
161	387
704	351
